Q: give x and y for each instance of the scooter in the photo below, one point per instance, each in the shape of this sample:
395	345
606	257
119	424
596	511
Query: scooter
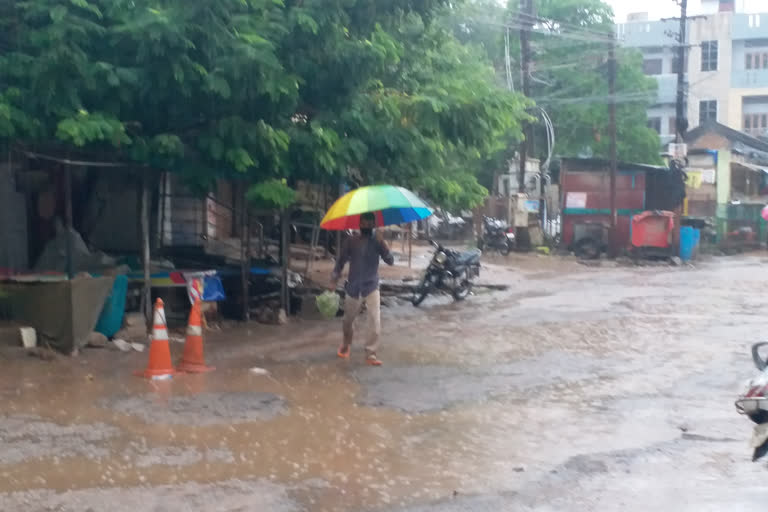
753	403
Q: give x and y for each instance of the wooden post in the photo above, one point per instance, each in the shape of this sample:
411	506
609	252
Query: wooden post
285	256
145	255
312	249
68	224
339	234
613	241
245	254
410	244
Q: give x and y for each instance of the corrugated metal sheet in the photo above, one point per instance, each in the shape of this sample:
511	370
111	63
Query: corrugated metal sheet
586	197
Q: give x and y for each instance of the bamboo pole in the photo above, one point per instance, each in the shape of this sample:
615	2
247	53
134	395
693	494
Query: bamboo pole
145	252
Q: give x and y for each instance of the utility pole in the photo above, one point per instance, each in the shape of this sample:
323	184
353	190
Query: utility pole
526	8
612	239
681	37
680	119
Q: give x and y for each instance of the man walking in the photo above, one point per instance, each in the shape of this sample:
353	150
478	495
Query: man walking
363	253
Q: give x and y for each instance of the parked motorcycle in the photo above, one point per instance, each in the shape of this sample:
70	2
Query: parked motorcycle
496	235
754	403
450	272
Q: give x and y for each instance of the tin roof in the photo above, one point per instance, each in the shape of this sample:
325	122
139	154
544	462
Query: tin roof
600	164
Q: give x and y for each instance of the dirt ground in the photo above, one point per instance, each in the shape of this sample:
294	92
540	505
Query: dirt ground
580	388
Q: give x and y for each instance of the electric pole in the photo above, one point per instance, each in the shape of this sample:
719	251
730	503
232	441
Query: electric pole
612	239
680	111
526	8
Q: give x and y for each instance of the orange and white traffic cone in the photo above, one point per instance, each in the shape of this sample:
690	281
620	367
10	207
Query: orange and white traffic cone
193	361
159	365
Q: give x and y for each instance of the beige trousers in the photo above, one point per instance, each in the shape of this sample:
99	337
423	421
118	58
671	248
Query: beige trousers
352	307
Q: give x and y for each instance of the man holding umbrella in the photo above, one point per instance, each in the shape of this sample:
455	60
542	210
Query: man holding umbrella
366	208
362	252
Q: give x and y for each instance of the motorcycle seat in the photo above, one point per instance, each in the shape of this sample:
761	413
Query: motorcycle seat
469	257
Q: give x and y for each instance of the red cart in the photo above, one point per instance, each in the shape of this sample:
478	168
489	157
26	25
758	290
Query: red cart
651	233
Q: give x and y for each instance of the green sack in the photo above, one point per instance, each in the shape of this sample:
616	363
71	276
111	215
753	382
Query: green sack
328	304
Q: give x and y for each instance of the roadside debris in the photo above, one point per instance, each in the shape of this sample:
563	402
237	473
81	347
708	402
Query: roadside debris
28	337
121	345
96	340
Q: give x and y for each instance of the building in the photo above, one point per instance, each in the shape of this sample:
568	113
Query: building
727	178
586	199
726	68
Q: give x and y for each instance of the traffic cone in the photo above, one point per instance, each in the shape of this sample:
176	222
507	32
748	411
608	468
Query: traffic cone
193	361
159	365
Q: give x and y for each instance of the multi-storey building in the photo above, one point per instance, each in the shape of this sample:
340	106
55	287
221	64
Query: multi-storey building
726	69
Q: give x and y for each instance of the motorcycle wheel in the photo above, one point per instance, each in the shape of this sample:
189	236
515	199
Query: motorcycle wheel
505	248
464	289
420	293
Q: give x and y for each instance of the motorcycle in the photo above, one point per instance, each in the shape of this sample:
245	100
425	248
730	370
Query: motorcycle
496	235
449	271
753	403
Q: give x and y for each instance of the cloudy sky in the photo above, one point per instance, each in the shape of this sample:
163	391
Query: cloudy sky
668	8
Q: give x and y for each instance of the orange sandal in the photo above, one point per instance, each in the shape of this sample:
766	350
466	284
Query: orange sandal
343	352
372	360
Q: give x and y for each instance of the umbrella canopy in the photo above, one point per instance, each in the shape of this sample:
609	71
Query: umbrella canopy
390	204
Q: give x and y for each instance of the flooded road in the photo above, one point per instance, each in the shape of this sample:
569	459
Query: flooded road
578	389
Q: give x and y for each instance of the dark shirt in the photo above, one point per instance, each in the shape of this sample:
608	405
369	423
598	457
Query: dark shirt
363	254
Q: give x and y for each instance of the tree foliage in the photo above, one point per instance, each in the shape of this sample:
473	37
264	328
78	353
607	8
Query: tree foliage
268	90
572	84
569	77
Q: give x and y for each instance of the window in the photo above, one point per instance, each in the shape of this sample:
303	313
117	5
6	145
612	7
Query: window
754	21
756	124
652	66
672	126
655	124
709	56
756	60
707	111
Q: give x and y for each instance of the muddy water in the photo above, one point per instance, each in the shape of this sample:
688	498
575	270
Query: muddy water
597	386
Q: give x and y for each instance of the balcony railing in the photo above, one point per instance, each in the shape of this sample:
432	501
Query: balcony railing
748	79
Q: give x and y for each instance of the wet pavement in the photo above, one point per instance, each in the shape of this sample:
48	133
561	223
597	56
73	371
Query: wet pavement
577	389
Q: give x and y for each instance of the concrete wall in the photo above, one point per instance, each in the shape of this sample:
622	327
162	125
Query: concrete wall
750	26
645	33
701	201
735	118
710	85
723	176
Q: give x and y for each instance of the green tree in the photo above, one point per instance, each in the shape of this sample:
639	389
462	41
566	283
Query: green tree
266	90
571	83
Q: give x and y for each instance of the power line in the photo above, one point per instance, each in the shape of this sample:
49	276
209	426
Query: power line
635	97
562	24
564	35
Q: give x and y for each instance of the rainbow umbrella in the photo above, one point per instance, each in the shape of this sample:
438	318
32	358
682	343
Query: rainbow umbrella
390	204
